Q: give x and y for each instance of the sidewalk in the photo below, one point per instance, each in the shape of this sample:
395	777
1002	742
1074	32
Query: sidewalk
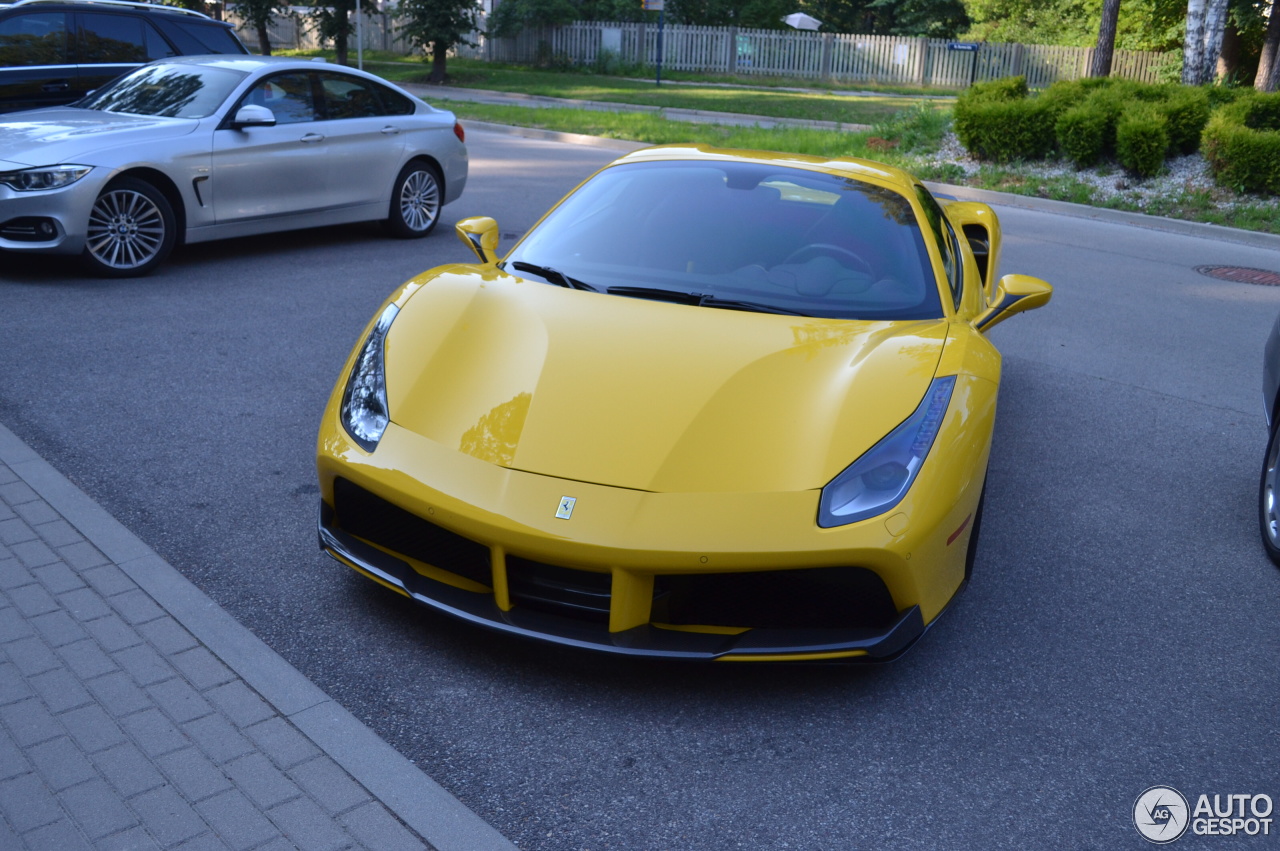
135	713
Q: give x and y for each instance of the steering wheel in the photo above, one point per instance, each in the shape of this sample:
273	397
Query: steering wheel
835	251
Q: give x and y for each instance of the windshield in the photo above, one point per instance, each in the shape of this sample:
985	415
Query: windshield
172	91
741	235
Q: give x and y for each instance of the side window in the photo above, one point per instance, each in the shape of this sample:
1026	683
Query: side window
394	103
194	37
110	39
157	47
288	96
39	38
945	238
349	97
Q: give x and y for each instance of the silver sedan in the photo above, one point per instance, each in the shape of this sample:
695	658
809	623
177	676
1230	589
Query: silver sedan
193	149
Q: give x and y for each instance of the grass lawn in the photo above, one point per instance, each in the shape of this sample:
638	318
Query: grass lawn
655	130
862	109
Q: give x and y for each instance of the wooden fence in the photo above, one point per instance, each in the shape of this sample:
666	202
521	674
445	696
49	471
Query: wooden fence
822	56
741	52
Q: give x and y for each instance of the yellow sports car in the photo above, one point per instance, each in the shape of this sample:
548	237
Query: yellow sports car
720	405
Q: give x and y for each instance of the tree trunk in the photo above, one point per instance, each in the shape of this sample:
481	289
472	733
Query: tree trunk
264	40
340	46
1266	79
1106	39
1215	23
1193	44
1229	58
439	60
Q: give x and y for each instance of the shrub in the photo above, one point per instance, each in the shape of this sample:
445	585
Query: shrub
997	121
1242	144
1187	111
1082	135
1142	138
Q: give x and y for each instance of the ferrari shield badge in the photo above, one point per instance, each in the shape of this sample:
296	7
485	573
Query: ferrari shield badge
565	511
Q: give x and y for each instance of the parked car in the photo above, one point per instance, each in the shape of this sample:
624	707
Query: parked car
53	52
715	405
192	149
1269	509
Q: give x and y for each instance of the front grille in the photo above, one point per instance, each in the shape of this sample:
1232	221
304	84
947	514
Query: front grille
559	590
371	517
809	598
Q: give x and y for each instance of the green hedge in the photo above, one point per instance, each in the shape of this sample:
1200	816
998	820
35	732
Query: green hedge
997	121
1142	138
1242	144
1081	120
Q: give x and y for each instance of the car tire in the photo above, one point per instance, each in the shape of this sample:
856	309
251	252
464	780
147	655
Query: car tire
416	198
131	230
1268	496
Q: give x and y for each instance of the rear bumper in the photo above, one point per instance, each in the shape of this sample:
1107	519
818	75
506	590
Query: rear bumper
647	640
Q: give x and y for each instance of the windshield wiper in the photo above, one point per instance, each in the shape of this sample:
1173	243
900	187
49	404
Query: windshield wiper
700	300
555	276
755	306
678	296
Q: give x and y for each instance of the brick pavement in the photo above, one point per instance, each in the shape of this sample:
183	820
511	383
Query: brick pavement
136	714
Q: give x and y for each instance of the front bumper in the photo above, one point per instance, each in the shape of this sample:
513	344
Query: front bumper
24	215
645	640
641	574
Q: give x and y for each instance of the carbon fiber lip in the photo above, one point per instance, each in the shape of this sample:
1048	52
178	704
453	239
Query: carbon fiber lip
641	642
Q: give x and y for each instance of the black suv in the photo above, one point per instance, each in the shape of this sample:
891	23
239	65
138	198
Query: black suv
56	51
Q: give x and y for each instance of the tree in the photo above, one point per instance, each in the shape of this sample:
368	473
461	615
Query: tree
258	15
332	22
1206	20
1269	62
437	26
927	18
1106	39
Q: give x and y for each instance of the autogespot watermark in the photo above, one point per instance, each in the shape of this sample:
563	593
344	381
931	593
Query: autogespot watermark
1161	814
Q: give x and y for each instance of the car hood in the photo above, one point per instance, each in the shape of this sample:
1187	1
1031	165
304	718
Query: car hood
648	395
66	135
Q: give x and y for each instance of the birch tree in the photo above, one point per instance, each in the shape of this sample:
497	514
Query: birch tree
1206	20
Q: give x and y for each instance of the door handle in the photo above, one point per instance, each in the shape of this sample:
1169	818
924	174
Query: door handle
390	131
60	86
312	137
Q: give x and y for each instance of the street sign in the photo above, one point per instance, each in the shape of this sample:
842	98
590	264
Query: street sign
967	46
653	5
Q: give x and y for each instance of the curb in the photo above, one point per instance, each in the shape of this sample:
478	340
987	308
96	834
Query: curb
1221	233
413	797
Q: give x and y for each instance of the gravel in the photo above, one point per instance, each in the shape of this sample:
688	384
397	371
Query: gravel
1111	182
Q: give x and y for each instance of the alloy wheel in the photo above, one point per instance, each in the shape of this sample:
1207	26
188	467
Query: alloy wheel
126	229
420	200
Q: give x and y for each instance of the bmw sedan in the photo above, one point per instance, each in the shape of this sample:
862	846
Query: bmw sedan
716	405
201	148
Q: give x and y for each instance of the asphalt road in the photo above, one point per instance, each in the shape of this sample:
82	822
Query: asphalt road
1120	631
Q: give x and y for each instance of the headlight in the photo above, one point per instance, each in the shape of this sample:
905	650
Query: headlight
364	403
880	479
49	177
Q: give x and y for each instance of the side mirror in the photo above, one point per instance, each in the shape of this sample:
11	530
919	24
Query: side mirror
1014	294
251	115
480	234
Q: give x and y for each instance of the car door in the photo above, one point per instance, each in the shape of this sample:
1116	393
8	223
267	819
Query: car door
269	172
362	141
111	44
35	65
